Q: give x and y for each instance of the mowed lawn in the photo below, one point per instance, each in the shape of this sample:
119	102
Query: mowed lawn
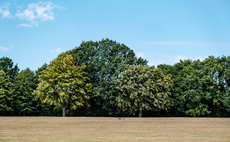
45	129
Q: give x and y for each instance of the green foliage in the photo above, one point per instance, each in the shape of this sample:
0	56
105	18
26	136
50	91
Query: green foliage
6	93
199	87
104	60
38	72
63	84
7	85
42	109
25	85
143	88
226	100
7	65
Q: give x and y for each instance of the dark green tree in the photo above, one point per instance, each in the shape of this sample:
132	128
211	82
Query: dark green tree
8	73
176	71
198	91
7	94
199	87
143	88
104	60
25	103
226	100
7	65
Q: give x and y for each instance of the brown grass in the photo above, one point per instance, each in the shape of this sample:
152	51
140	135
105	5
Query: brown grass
27	129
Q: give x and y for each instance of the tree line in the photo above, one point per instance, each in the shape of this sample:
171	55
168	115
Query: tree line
105	78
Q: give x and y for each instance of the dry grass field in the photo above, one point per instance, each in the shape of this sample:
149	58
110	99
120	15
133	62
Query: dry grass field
45	129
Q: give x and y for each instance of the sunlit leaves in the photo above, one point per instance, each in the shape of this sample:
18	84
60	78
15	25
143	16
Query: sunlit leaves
105	60
7	93
143	88
63	83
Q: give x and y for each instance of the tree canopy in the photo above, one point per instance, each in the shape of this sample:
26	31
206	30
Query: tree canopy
7	93
7	65
143	88
200	87
104	60
25	85
62	83
95	74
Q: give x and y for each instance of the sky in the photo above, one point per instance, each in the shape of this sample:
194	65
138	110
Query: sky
161	31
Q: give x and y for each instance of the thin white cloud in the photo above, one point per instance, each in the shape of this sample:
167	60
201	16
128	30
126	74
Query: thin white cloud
32	24
189	43
155	62
2	48
169	43
57	50
168	59
174	59
200	58
171	60
41	11
140	54
4	10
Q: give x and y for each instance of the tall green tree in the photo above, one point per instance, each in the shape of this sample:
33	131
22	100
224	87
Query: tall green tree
7	84
176	71
104	60
63	84
38	72
7	65
42	109
25	102
199	86
143	88
215	69
226	100
198	91
7	94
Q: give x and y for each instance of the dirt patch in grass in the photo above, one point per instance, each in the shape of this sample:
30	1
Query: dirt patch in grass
99	129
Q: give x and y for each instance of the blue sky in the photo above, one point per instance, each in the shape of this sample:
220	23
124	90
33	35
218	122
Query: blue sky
162	31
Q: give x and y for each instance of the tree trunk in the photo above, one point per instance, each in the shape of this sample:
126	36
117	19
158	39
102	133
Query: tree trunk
63	111
140	112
